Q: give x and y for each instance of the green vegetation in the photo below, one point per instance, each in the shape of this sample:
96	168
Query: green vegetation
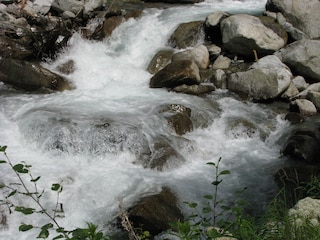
217	219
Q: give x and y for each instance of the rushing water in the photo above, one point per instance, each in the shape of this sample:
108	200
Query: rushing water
56	133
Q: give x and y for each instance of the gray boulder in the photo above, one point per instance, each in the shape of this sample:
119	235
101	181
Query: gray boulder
304	15
265	80
176	73
304	107
303	57
195	89
242	34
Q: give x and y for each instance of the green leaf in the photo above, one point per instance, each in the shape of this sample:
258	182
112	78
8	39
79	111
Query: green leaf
43	234
206	210
211	163
58	237
3	161
210	197
56	187
12	193
35	179
215	183
25	227
225	172
193	205
20	168
47	226
24	210
3	148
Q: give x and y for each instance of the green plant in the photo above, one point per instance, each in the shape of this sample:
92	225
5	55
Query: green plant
29	189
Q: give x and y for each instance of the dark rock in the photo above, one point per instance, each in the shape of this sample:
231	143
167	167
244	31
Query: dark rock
303	143
154	213
67	67
176	73
160	60
194	89
187	35
294	117
14	48
30	76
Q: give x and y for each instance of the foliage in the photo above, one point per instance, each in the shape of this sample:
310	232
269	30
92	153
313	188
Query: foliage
22	188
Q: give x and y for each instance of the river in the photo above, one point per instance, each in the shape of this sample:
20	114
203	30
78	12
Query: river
54	132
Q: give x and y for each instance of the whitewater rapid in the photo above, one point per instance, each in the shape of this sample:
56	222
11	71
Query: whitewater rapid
112	83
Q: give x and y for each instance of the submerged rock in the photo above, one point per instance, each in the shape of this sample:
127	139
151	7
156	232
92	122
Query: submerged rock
160	60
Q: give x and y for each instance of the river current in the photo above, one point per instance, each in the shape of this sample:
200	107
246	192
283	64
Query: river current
53	132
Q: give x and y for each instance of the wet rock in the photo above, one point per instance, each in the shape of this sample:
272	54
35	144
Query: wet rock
303	143
241	34
176	73
294	117
195	89
155	212
220	79
304	15
314	97
31	76
303	58
67	67
110	24
290	92
160	60
199	55
300	83
178	117
187	35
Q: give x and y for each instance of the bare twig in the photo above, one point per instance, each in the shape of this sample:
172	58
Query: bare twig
126	224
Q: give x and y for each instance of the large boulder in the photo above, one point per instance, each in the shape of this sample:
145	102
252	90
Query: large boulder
187	35
302	14
303	57
265	80
176	73
242	34
155	212
31	76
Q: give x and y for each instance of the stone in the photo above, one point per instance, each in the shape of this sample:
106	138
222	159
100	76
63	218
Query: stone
199	55
303	57
242	34
265	80
74	6
194	89
187	35
67	67
300	83
31	76
303	106
314	97
220	79
290	92
221	62
155	212
176	73
303	15
160	60
42	6
303	143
